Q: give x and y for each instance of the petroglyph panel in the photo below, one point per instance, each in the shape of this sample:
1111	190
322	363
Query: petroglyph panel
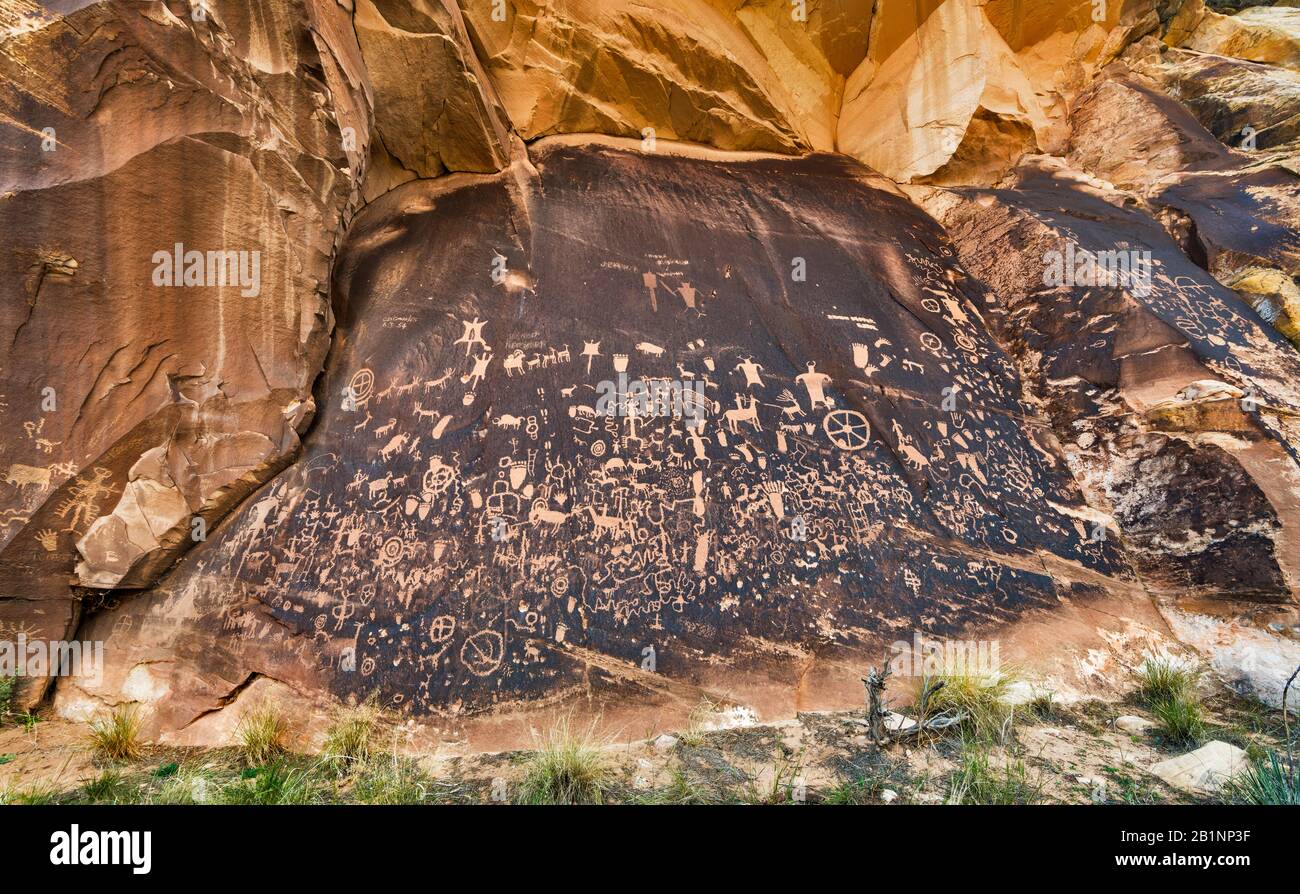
651	413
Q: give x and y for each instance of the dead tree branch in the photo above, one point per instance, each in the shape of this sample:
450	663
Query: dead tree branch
881	731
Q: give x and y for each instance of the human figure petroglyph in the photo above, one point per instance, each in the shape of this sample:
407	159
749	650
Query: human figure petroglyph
590	350
751	371
815	383
650	281
84	497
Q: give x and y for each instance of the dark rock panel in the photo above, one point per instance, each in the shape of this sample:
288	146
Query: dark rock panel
472	523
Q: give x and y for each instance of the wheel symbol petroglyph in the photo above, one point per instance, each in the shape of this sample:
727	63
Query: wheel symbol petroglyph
847	429
361	384
442	628
481	653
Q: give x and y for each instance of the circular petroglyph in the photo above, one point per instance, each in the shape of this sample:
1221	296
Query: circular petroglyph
438	478
441	628
847	429
391	552
481	653
361	384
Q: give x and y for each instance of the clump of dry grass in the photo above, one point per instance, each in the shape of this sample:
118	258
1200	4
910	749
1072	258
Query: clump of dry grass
982	698
261	735
348	743
117	737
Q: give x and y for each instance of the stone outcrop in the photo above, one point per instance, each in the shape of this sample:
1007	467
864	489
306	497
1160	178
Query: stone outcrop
1231	195
1204	770
1110	360
983	307
973	80
142	397
1259	33
435	109
475	523
728	74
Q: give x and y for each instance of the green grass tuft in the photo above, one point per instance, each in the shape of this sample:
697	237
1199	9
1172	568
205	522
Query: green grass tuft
108	788
977	781
1165	680
276	783
391	779
1169	689
1266	782
348	742
863	789
39	793
683	790
1179	719
567	768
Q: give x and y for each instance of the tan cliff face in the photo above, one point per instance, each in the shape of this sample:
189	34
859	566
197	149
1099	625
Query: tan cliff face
171	432
137	403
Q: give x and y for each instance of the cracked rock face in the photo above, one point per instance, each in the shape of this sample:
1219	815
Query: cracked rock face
173	191
473	356
436	110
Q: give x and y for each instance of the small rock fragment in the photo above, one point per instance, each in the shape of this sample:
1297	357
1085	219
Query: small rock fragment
1131	724
1204	770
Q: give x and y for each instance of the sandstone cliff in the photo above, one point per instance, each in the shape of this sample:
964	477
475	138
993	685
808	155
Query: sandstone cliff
253	443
